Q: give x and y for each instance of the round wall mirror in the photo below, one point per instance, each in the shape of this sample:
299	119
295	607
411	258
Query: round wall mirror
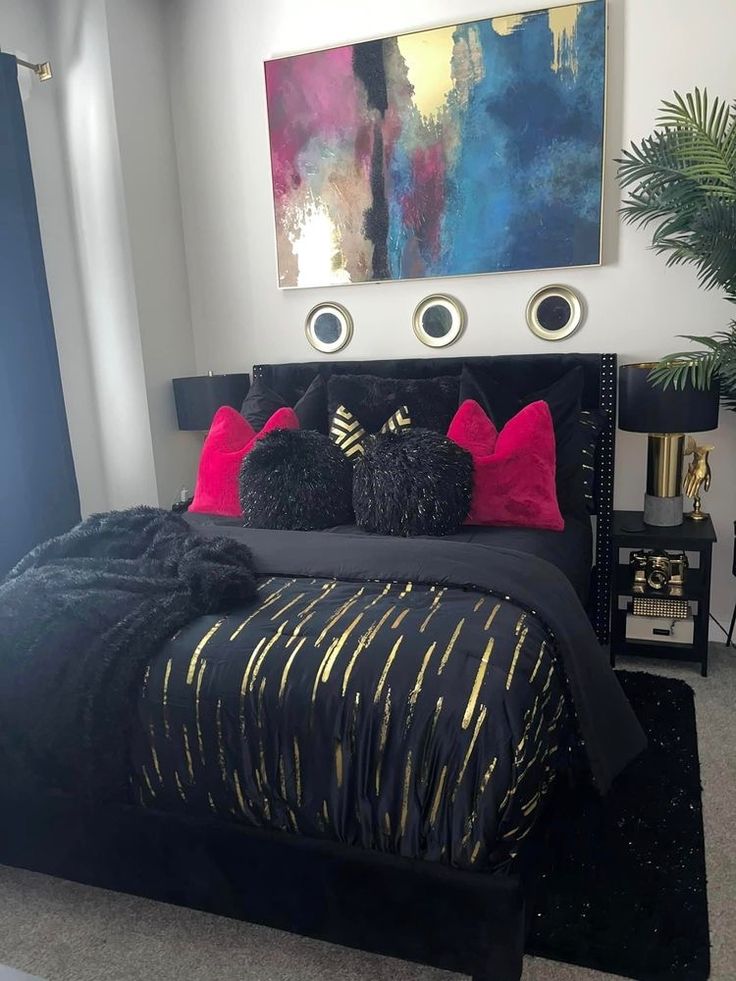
439	320
329	327
555	312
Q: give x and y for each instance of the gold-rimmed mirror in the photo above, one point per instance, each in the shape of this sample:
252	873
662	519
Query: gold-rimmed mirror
329	327
555	312
439	320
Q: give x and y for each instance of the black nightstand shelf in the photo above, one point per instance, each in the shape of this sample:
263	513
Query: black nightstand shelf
696	538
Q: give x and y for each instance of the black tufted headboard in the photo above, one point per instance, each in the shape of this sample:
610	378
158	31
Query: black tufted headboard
523	373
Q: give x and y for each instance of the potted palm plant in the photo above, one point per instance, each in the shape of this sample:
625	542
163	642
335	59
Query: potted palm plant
682	180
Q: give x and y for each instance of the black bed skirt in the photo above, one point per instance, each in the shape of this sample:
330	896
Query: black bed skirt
472	923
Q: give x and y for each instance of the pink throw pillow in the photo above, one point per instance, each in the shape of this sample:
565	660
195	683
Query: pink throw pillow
514	470
229	440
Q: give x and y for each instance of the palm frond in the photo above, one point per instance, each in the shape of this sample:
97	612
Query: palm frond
710	129
693	368
682	181
703	368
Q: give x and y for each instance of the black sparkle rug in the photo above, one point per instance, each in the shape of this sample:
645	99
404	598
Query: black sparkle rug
625	892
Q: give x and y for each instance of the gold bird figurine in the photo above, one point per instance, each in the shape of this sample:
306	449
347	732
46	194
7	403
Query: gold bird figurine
697	478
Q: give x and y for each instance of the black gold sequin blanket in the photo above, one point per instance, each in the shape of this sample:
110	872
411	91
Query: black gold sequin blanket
410	696
80	617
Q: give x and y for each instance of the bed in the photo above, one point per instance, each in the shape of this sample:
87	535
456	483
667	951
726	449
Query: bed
364	754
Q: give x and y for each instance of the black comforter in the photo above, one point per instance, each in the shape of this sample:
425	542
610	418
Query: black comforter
412	696
415	696
610	731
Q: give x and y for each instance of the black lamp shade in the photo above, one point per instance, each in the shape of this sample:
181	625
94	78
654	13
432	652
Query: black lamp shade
646	408
198	398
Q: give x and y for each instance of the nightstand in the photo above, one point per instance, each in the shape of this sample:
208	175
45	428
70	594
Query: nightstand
647	635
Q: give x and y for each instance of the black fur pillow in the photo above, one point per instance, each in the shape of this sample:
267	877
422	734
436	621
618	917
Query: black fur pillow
296	480
431	402
311	408
413	482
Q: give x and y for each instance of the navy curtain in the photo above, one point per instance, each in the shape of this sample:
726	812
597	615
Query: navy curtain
38	486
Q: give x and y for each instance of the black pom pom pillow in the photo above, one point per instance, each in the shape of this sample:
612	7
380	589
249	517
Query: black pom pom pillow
296	480
412	482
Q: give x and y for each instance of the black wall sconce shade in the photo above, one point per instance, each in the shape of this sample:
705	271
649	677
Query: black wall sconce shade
198	398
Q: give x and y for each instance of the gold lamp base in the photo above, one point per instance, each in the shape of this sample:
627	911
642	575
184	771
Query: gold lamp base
663	500
664	464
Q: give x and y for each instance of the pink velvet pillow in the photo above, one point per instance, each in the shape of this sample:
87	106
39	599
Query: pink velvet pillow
514	470
229	440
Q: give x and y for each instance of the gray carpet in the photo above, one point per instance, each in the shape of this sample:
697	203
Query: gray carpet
62	931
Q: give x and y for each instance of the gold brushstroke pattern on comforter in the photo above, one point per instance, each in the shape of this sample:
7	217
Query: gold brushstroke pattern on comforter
401	717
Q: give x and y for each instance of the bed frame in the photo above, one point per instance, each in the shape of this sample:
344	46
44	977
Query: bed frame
473	923
524	373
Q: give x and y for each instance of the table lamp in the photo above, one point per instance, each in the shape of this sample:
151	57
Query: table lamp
198	398
665	414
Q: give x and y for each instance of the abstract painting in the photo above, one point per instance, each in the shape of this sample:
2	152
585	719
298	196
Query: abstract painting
473	148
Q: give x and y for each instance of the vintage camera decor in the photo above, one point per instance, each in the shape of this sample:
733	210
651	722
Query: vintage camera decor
661	571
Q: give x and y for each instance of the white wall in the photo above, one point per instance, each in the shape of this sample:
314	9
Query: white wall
636	305
83	80
117	137
151	188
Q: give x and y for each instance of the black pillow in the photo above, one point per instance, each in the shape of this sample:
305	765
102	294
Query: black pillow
261	402
297	480
592	425
563	398
412	482
432	402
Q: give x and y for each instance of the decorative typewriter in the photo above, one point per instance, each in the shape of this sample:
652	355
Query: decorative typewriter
663	572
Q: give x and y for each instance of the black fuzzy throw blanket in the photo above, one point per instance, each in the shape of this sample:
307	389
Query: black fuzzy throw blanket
80	617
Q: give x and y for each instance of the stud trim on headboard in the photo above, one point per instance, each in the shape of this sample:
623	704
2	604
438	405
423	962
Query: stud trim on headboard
608	388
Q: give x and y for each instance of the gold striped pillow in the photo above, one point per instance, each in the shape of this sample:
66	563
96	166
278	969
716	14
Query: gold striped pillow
399	420
347	432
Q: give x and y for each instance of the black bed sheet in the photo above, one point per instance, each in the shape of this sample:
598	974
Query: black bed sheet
570	550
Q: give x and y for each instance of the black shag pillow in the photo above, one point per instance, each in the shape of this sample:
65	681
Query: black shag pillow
296	480
412	482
